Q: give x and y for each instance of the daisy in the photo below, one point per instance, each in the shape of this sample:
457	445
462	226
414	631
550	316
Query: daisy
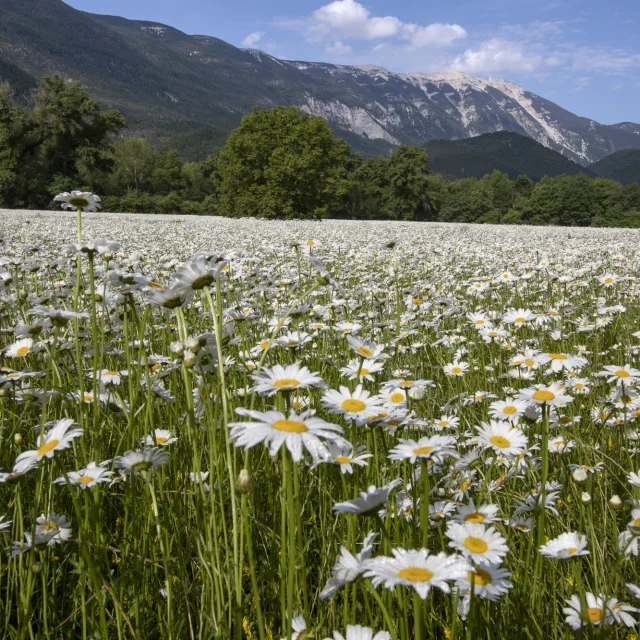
365	370
620	375
393	397
488	581
88	477
552	395
456	369
342	454
199	273
428	448
596	613
140	461
560	361
348	567
565	546
369	501
274	429
58	437
519	317
418	569
298	627
634	478
365	349
358	632
19	349
359	405
502	437
477	542
445	422
160	437
75	200
509	409
483	514
279	378
56	527
479	320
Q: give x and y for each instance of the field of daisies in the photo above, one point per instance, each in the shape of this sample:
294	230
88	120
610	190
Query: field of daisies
228	429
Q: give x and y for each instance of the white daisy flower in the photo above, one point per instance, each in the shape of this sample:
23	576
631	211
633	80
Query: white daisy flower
369	501
88	477
477	542
417	569
358	632
358	405
565	546
289	378
58	437
502	437
274	429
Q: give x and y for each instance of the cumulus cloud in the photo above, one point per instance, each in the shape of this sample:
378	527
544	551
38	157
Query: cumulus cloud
496	55
350	19
252	39
338	48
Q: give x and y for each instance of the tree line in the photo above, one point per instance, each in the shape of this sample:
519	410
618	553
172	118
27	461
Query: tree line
280	163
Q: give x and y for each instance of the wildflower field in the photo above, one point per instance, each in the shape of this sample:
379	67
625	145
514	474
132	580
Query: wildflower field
226	429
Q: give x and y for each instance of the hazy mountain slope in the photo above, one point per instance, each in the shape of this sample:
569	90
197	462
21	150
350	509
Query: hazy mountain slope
623	166
166	81
508	152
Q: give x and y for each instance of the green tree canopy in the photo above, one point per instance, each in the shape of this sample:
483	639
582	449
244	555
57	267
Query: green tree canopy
282	163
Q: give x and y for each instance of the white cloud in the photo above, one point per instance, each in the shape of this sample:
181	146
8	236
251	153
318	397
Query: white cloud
350	19
496	55
252	39
338	48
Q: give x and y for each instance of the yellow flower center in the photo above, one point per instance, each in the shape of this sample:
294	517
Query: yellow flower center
481	577
500	441
529	362
264	344
422	451
476	518
608	280
365	351
49	446
396	397
595	614
342	459
456	370
161	439
519	319
405	384
571	550
415	574
636	523
510	410
85	479
22	351
622	373
443	423
290	426
111	373
363	371
353	405
557	356
479	321
543	395
476	545
417	301
286	382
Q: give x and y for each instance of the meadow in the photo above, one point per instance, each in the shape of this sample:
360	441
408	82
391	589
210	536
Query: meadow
225	429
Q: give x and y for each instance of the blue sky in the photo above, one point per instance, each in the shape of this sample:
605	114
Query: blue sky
582	54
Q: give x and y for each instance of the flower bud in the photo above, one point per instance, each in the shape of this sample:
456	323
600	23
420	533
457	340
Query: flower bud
36	567
416	393
585	497
193	344
176	348
579	475
243	483
17	438
615	502
189	359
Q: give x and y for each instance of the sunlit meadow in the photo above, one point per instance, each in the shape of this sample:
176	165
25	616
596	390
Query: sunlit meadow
228	429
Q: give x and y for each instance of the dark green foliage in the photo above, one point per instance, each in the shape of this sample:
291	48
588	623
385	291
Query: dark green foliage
504	151
623	165
282	163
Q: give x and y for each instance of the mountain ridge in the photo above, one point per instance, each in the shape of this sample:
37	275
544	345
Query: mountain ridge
163	79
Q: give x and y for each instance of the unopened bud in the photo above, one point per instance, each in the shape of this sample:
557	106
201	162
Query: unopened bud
189	359
416	393
176	348
579	475
36	567
243	483
17	438
615	502
585	497
193	344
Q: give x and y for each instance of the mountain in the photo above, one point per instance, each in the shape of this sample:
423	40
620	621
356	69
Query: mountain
623	166
508	152
165	81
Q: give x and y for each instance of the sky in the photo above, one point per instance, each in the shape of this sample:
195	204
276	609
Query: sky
582	54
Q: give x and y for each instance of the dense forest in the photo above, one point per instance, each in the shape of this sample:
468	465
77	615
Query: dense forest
279	163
